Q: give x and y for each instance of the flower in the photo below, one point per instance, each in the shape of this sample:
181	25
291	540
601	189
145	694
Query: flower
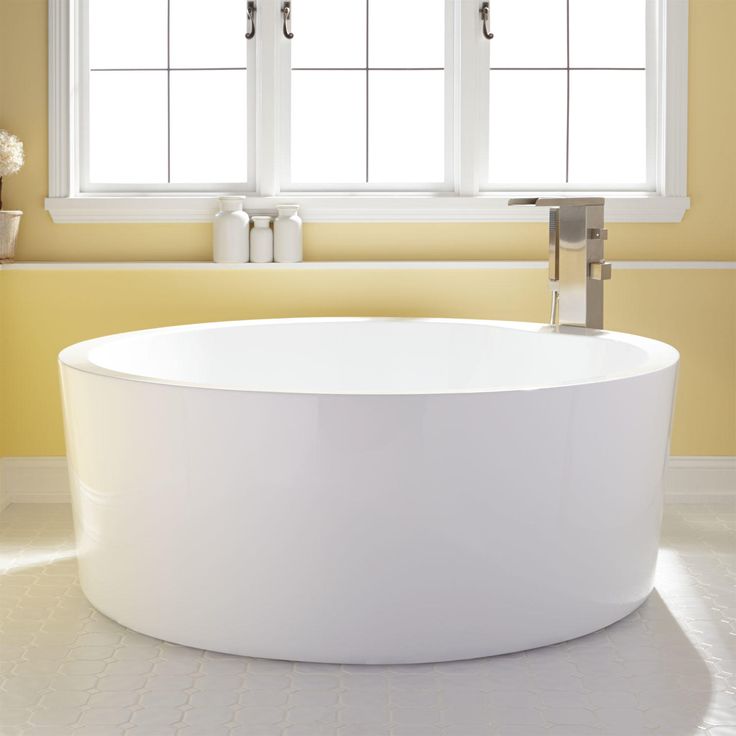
11	153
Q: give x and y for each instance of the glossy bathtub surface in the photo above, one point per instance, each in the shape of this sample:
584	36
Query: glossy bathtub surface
371	356
367	490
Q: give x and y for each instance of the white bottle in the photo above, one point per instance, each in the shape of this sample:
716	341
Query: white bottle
261	240
287	235
230	232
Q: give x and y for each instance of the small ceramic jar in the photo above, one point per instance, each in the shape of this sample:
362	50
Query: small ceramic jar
261	240
287	234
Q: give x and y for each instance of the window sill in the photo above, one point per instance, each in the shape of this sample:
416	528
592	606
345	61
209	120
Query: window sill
634	207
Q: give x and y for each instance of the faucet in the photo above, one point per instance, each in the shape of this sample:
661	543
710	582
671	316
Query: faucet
577	268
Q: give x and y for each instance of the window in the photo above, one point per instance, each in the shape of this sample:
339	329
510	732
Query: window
368	96
567	95
164	99
371	110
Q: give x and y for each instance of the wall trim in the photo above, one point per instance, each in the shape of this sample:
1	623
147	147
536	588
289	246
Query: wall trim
352	266
688	480
699	479
33	480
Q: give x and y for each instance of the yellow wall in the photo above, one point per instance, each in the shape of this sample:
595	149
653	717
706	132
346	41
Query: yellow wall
40	312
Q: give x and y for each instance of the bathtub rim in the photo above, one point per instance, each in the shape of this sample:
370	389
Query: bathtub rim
660	355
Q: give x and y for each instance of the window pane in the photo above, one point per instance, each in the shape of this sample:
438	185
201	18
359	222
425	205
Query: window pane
607	127
209	126
208	34
127	34
328	127
328	33
528	114
403	139
404	33
607	33
406	126
127	127
529	33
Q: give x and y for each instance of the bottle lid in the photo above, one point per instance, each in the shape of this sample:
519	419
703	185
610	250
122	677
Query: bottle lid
261	220
288	209
231	204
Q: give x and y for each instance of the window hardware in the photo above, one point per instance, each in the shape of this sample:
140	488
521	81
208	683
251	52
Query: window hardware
286	13
251	20
485	14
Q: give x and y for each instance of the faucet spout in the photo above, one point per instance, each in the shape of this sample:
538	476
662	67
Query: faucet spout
558	201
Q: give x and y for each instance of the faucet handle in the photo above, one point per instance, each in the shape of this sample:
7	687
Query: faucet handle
558	201
599	270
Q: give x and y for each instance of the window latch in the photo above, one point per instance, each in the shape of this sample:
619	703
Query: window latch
251	20
485	15
286	13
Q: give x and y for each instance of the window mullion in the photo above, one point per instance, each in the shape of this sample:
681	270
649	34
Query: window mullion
652	91
80	102
471	69
269	95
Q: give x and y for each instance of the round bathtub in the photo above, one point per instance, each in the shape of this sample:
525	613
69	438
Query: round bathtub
367	490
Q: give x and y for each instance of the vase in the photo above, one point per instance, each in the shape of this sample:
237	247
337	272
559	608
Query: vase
230	232
9	224
261	240
287	235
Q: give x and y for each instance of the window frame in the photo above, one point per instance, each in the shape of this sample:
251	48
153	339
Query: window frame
284	87
82	75
653	72
664	200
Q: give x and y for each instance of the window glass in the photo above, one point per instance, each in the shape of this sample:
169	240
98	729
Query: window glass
367	92
167	93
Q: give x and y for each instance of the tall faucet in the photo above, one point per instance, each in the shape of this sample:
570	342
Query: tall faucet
577	268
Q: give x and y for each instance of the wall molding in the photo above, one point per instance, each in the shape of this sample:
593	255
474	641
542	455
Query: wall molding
33	480
701	480
688	480
353	266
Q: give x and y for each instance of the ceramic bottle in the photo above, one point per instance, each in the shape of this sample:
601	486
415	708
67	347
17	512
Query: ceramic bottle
261	240
230	232
287	235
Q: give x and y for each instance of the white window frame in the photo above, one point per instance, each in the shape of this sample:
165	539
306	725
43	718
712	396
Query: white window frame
79	28
445	186
665	199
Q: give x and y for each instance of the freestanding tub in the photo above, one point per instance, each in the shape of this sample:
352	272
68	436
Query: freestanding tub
367	490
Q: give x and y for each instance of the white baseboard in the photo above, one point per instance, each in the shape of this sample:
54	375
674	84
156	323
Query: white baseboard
688	480
33	480
701	480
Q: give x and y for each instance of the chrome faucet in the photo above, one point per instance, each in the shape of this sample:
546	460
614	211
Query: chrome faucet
577	268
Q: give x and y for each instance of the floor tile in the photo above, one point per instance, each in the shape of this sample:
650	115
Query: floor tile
668	669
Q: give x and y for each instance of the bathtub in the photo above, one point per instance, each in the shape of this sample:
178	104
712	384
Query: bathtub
367	490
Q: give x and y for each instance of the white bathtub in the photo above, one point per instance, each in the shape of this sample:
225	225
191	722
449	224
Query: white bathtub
367	490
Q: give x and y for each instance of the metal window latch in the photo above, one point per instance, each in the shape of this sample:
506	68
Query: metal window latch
251	19
485	15
286	13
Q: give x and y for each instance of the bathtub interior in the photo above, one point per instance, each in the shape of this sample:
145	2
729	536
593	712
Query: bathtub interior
369	356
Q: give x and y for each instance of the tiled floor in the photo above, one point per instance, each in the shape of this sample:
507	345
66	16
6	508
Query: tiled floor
666	669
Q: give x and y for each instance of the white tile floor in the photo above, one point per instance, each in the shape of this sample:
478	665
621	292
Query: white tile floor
666	669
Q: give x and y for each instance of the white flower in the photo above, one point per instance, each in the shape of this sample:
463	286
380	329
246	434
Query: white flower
11	153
